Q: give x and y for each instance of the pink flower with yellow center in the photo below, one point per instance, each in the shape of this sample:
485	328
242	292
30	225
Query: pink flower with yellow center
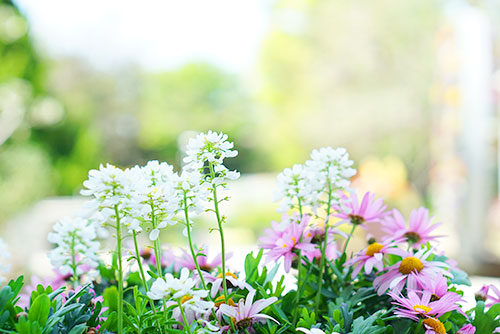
418	305
410	271
247	312
368	211
286	240
417	232
372	257
438	287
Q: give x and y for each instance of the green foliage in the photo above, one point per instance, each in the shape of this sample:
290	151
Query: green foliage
486	321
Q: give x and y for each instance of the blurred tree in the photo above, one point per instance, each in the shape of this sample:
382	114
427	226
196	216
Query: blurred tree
348	73
24	165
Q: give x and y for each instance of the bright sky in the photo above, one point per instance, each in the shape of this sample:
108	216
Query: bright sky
155	33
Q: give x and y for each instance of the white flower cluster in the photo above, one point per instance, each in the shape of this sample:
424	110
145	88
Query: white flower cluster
153	194
181	290
328	171
4	257
211	148
76	245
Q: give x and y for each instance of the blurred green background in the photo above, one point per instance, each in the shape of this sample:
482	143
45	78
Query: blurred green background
359	74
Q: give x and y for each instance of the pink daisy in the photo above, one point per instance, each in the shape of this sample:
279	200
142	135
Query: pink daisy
284	240
372	257
186	260
492	298
246	313
417	232
411	270
438	287
419	305
467	329
482	294
368	211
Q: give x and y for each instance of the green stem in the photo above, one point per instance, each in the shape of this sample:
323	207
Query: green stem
184	317
120	271
349	237
74	266
299	264
322	267
156	244
191	247
143	276
221	232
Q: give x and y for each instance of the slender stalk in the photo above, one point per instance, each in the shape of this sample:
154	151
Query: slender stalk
120	271
139	261
322	267
184	317
74	266
299	264
143	276
349	237
221	232
191	247
156	244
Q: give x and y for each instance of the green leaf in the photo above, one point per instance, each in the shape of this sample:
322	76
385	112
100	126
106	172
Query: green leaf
460	277
39	310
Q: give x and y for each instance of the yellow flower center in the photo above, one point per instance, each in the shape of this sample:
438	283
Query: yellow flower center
373	249
228	274
186	298
222	300
409	265
284	245
293	239
436	325
422	309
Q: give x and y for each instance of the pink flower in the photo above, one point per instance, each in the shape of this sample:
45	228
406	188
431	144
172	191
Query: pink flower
372	257
246	313
467	329
492	298
482	294
368	211
411	270
285	240
417	232
438	287
186	260
419	305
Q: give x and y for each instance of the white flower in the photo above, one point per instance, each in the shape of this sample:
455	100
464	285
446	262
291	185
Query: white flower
190	186
174	288
329	170
211	148
296	185
153	194
76	245
108	185
4	257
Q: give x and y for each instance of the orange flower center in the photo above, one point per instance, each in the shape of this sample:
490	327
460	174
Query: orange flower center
422	309
373	249
222	300
186	298
409	265
436	325
228	274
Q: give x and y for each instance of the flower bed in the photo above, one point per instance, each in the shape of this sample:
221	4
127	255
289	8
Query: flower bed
399	283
